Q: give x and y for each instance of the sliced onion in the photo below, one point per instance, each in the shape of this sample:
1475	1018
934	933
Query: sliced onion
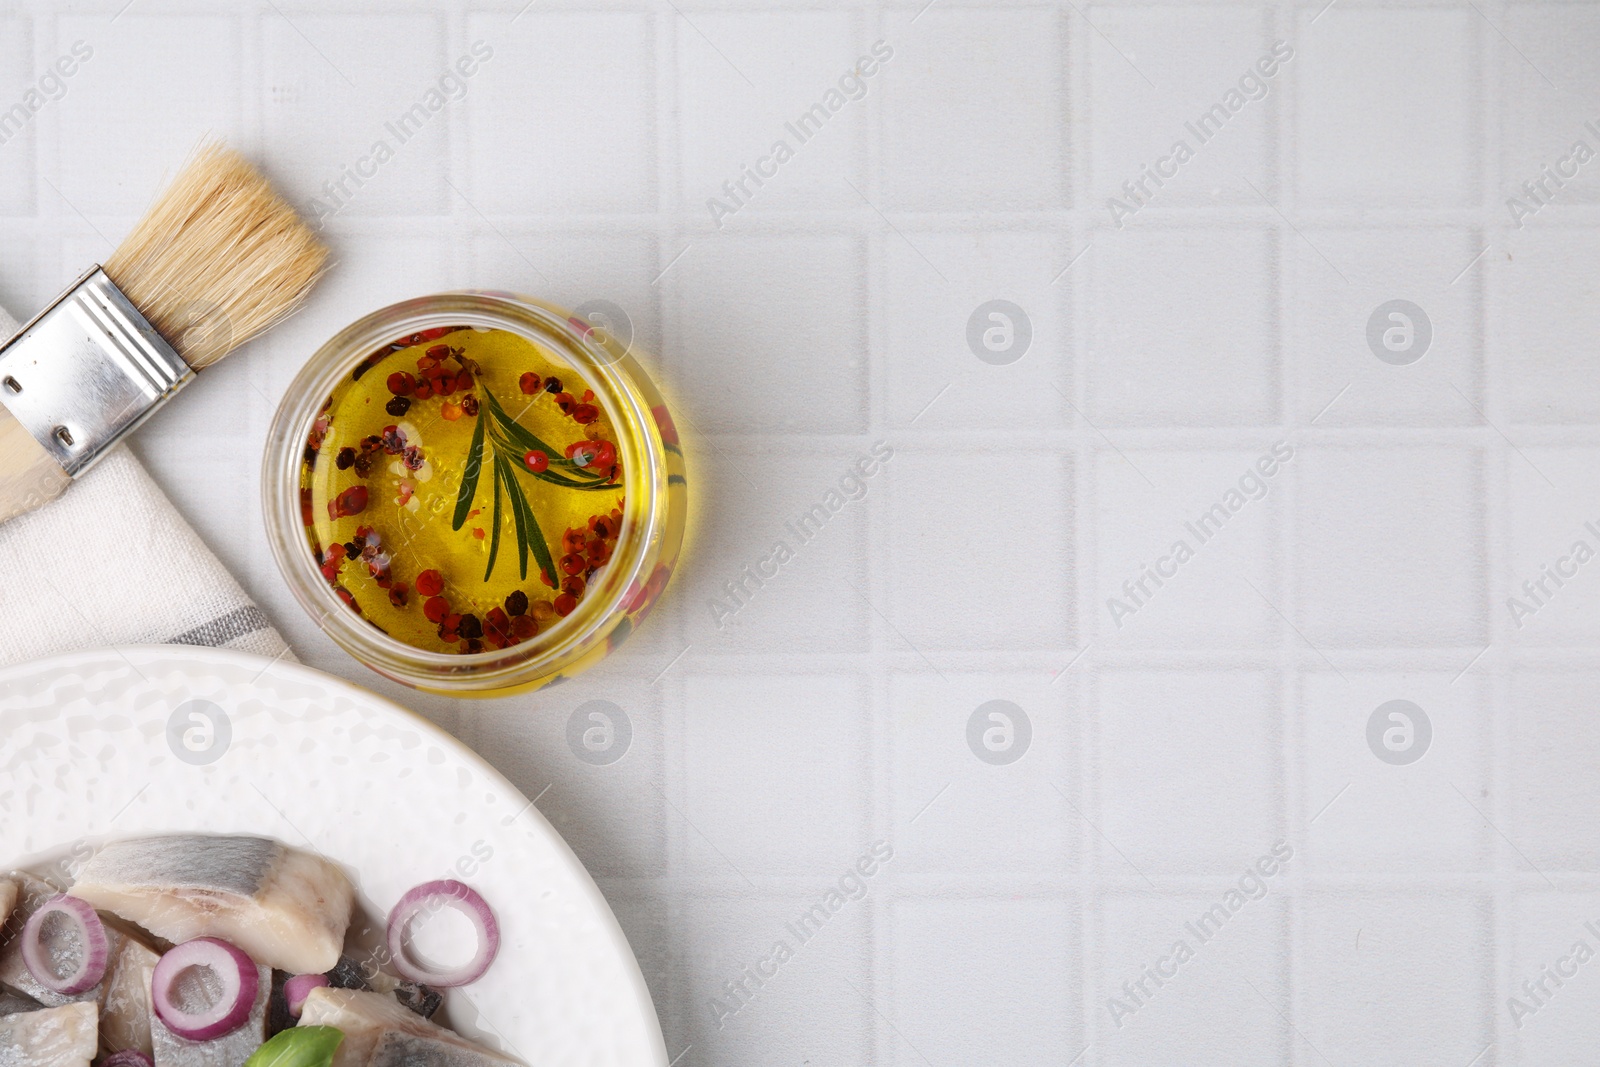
95	947
429	899
129	1057
240	984
298	988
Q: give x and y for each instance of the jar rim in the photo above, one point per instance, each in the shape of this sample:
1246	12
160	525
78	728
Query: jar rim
606	368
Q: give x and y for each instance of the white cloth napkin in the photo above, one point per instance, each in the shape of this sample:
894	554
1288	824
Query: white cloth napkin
111	562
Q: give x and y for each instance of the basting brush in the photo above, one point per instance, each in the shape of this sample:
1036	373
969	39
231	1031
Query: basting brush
217	259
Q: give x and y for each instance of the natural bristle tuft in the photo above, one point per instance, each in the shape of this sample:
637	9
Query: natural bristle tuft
218	258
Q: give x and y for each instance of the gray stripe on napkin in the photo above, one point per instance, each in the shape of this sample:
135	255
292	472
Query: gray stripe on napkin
225	628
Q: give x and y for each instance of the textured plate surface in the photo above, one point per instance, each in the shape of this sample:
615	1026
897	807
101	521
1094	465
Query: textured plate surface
118	742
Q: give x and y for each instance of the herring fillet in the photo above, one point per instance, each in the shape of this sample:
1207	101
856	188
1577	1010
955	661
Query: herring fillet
379	1029
53	1037
126	1012
288	909
229	1050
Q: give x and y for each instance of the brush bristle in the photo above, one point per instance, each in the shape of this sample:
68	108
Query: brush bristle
218	258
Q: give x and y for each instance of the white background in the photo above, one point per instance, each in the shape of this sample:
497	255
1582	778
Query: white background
1167	754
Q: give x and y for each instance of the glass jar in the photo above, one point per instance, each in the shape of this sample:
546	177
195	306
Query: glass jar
653	482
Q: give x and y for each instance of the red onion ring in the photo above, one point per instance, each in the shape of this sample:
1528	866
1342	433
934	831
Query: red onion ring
91	936
298	988
240	984
129	1057
430	898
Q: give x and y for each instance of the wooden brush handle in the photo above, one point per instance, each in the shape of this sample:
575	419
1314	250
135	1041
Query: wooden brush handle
29	478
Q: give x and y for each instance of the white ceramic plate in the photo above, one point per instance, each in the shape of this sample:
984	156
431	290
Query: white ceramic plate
113	743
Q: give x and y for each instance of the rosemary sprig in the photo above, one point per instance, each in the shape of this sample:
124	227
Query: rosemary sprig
507	440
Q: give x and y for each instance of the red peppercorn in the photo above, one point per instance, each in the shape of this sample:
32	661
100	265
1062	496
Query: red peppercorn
436	608
565	603
536	461
584	414
530	383
438	352
350	502
573	541
605	454
464	380
496	624
572	563
564	401
430	583
598	551
424	390
573	585
401	383
399	592
523	627
445	386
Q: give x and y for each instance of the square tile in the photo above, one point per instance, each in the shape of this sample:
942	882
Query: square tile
1552	522
745	807
117	147
1172	986
1180	538
25	97
1387	107
953	581
1376	364
973	112
593	758
790	308
1540	122
952	364
1208	95
784	543
729	129
1552	978
363	104
1189	779
746	996
1398	979
1365	813
531	151
1391	547
1183	328
957	813
1553	817
1540	319
983	981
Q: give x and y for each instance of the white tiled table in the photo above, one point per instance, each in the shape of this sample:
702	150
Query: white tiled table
1227	714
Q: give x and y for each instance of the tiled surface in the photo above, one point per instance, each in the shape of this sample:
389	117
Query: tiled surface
1184	342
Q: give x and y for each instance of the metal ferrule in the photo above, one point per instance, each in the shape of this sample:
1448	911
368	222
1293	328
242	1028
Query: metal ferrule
87	370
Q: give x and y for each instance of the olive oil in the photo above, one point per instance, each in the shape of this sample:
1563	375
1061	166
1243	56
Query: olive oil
461	488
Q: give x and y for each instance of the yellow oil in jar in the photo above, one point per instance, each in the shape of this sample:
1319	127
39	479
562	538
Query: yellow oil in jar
442	565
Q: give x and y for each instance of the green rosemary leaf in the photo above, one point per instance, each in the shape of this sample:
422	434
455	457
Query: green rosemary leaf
494	537
534	537
469	476
514	491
